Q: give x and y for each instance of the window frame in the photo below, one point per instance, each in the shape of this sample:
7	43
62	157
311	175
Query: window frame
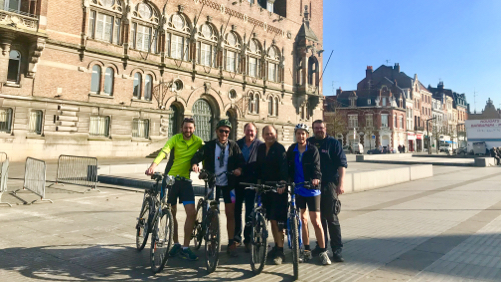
36	126
254	55
7	127
183	32
151	25
112	78
115	12
18	71
99	78
100	119
232	64
139	84
140	133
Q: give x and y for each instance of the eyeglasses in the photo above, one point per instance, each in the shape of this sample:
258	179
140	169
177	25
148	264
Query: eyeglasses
224	131
191	120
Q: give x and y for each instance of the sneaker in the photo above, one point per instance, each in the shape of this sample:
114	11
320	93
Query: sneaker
175	250
307	255
336	256
188	254
232	250
325	258
247	247
271	253
279	258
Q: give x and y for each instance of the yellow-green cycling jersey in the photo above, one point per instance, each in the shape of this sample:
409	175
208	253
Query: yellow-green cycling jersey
183	152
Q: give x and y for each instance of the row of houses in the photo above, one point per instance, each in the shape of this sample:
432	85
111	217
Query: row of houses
390	108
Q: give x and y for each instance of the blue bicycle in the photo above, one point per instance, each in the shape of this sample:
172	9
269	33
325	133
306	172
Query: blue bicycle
259	233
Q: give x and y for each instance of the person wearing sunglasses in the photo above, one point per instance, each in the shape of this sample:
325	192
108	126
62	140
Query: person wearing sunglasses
181	148
218	156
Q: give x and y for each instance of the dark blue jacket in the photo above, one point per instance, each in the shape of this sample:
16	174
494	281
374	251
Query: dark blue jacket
249	171
331	157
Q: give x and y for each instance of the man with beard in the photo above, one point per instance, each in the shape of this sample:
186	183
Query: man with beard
333	166
272	166
185	145
248	145
219	157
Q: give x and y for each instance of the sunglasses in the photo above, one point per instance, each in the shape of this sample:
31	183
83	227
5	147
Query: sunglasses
224	131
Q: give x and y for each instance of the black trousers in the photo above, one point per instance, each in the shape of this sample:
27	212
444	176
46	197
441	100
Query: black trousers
329	209
243	196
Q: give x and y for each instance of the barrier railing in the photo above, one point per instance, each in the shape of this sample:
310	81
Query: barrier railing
77	170
4	175
35	172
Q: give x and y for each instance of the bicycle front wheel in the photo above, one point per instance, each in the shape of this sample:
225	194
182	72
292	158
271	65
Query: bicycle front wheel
142	229
259	245
295	245
212	241
161	240
198	231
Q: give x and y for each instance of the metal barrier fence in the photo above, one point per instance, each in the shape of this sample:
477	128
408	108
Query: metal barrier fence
35	171
4	175
77	170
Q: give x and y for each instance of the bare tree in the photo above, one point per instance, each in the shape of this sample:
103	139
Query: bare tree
334	119
161	93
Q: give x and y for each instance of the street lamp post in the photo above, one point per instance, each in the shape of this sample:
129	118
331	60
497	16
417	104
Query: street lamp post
428	132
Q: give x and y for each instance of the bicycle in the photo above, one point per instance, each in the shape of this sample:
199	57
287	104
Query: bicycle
259	232
207	221
159	223
294	226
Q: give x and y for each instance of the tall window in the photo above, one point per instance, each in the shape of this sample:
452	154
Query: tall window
105	20
5	120
95	84
207	46
138	82
273	61
384	120
401	122
232	52
148	82
177	37
144	28
270	106
254	103
395	125
99	126
253	58
11	5
352	121
275	106
369	121
140	128
35	125
14	70
108	81
384	101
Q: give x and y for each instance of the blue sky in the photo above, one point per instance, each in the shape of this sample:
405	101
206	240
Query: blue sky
458	42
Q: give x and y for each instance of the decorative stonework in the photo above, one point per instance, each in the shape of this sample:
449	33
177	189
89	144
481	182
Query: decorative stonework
35	53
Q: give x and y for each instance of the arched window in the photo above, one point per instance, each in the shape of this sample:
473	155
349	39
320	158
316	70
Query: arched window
254	59
108	81
105	20
173	118
206	45
177	37
145	21
256	103
14	70
275	106
313	71
273	61
148	82
270	106
95	84
202	114
138	83
232	52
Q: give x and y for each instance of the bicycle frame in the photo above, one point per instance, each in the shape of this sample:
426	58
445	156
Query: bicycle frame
293	213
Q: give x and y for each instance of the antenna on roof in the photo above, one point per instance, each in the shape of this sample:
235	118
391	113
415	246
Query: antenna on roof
388	62
475	99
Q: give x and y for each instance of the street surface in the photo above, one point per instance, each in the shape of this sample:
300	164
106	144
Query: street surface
444	228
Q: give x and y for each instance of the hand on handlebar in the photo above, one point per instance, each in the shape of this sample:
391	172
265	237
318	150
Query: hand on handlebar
195	168
237	172
315	182
151	169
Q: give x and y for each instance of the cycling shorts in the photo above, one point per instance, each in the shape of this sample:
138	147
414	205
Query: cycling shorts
313	203
183	190
228	194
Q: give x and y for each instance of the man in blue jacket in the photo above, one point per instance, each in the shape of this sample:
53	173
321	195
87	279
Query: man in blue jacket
333	166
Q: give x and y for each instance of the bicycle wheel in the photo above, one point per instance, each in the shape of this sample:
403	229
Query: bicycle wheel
142	230
295	245
259	244
212	241
198	231
161	240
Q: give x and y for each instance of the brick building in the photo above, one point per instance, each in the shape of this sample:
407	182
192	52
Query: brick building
115	77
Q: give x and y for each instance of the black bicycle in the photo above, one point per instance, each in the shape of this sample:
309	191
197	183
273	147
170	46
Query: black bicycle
156	218
207	221
259	232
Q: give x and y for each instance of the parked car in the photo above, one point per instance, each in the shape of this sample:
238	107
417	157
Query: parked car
461	151
374	151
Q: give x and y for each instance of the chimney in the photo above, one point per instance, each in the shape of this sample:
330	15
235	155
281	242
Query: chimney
339	91
440	85
397	67
368	72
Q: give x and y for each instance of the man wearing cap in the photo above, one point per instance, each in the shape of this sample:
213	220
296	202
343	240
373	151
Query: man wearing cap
218	156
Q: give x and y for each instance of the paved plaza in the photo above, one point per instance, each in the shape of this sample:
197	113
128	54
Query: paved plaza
443	228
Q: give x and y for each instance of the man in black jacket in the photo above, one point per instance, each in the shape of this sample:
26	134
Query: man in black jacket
218	156
272	166
304	165
333	165
248	145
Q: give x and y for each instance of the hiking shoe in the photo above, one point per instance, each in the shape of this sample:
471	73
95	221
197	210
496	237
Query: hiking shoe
232	250
307	255
271	253
325	258
175	250
188	254
247	247
279	258
336	256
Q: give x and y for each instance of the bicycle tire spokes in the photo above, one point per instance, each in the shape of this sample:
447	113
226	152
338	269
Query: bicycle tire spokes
212	241
161	240
142	231
259	247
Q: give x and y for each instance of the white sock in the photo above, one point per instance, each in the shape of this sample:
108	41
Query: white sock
185	248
